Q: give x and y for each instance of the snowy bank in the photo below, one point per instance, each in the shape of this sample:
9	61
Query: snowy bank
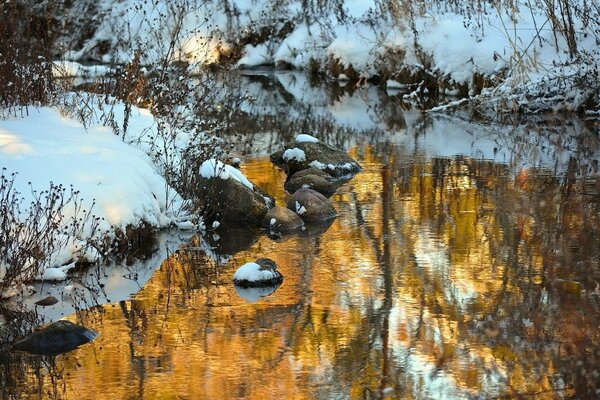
118	183
463	48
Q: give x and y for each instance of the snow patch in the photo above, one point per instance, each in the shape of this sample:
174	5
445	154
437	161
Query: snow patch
213	168
300	208
251	272
294	154
304	138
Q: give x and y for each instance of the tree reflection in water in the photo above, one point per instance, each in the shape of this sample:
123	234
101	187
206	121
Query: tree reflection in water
443	276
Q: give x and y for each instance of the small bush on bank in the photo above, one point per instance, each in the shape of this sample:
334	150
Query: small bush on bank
35	236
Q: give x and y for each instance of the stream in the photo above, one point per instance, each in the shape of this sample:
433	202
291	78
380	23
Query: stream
464	263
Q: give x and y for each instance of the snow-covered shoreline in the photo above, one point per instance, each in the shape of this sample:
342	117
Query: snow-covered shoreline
117	182
505	55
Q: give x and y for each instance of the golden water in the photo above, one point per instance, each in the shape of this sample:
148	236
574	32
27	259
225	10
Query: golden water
440	278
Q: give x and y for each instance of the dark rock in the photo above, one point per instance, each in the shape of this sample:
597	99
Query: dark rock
231	201
48	301
311	206
58	338
280	219
316	155
312	171
310	181
261	273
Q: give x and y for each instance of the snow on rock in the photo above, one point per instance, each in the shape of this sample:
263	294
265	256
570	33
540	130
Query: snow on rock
294	154
303	137
212	168
263	272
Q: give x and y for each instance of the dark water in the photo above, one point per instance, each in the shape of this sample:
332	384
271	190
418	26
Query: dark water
464	263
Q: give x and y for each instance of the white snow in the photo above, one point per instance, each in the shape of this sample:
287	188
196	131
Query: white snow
345	166
69	69
294	154
300	209
118	179
255	55
216	224
212	168
251	272
56	274
303	138
273	221
392	84
488	40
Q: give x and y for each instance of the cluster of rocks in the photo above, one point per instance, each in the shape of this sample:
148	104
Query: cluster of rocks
314	170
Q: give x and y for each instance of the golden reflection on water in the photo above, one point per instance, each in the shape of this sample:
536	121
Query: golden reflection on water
440	278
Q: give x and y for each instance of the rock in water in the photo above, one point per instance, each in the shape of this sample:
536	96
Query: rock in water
312	171
58	338
303	154
261	273
280	219
309	181
311	206
227	195
48	301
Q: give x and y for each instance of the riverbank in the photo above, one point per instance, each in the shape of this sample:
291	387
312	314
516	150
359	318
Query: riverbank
504	58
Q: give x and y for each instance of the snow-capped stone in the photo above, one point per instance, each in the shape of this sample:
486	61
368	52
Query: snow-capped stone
263	272
212	168
305	154
225	194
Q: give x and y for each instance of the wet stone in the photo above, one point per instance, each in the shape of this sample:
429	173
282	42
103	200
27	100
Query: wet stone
280	219
48	301
57	338
261	273
310	181
311	206
302	155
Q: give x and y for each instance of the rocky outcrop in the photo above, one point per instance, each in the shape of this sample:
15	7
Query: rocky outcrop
304	154
311	206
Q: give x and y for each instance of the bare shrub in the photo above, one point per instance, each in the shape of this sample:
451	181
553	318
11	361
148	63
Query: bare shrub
33	235
25	59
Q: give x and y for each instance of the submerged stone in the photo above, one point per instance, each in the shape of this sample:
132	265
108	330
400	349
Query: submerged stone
60	337
311	206
312	171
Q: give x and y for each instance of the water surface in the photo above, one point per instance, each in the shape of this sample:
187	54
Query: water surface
464	263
